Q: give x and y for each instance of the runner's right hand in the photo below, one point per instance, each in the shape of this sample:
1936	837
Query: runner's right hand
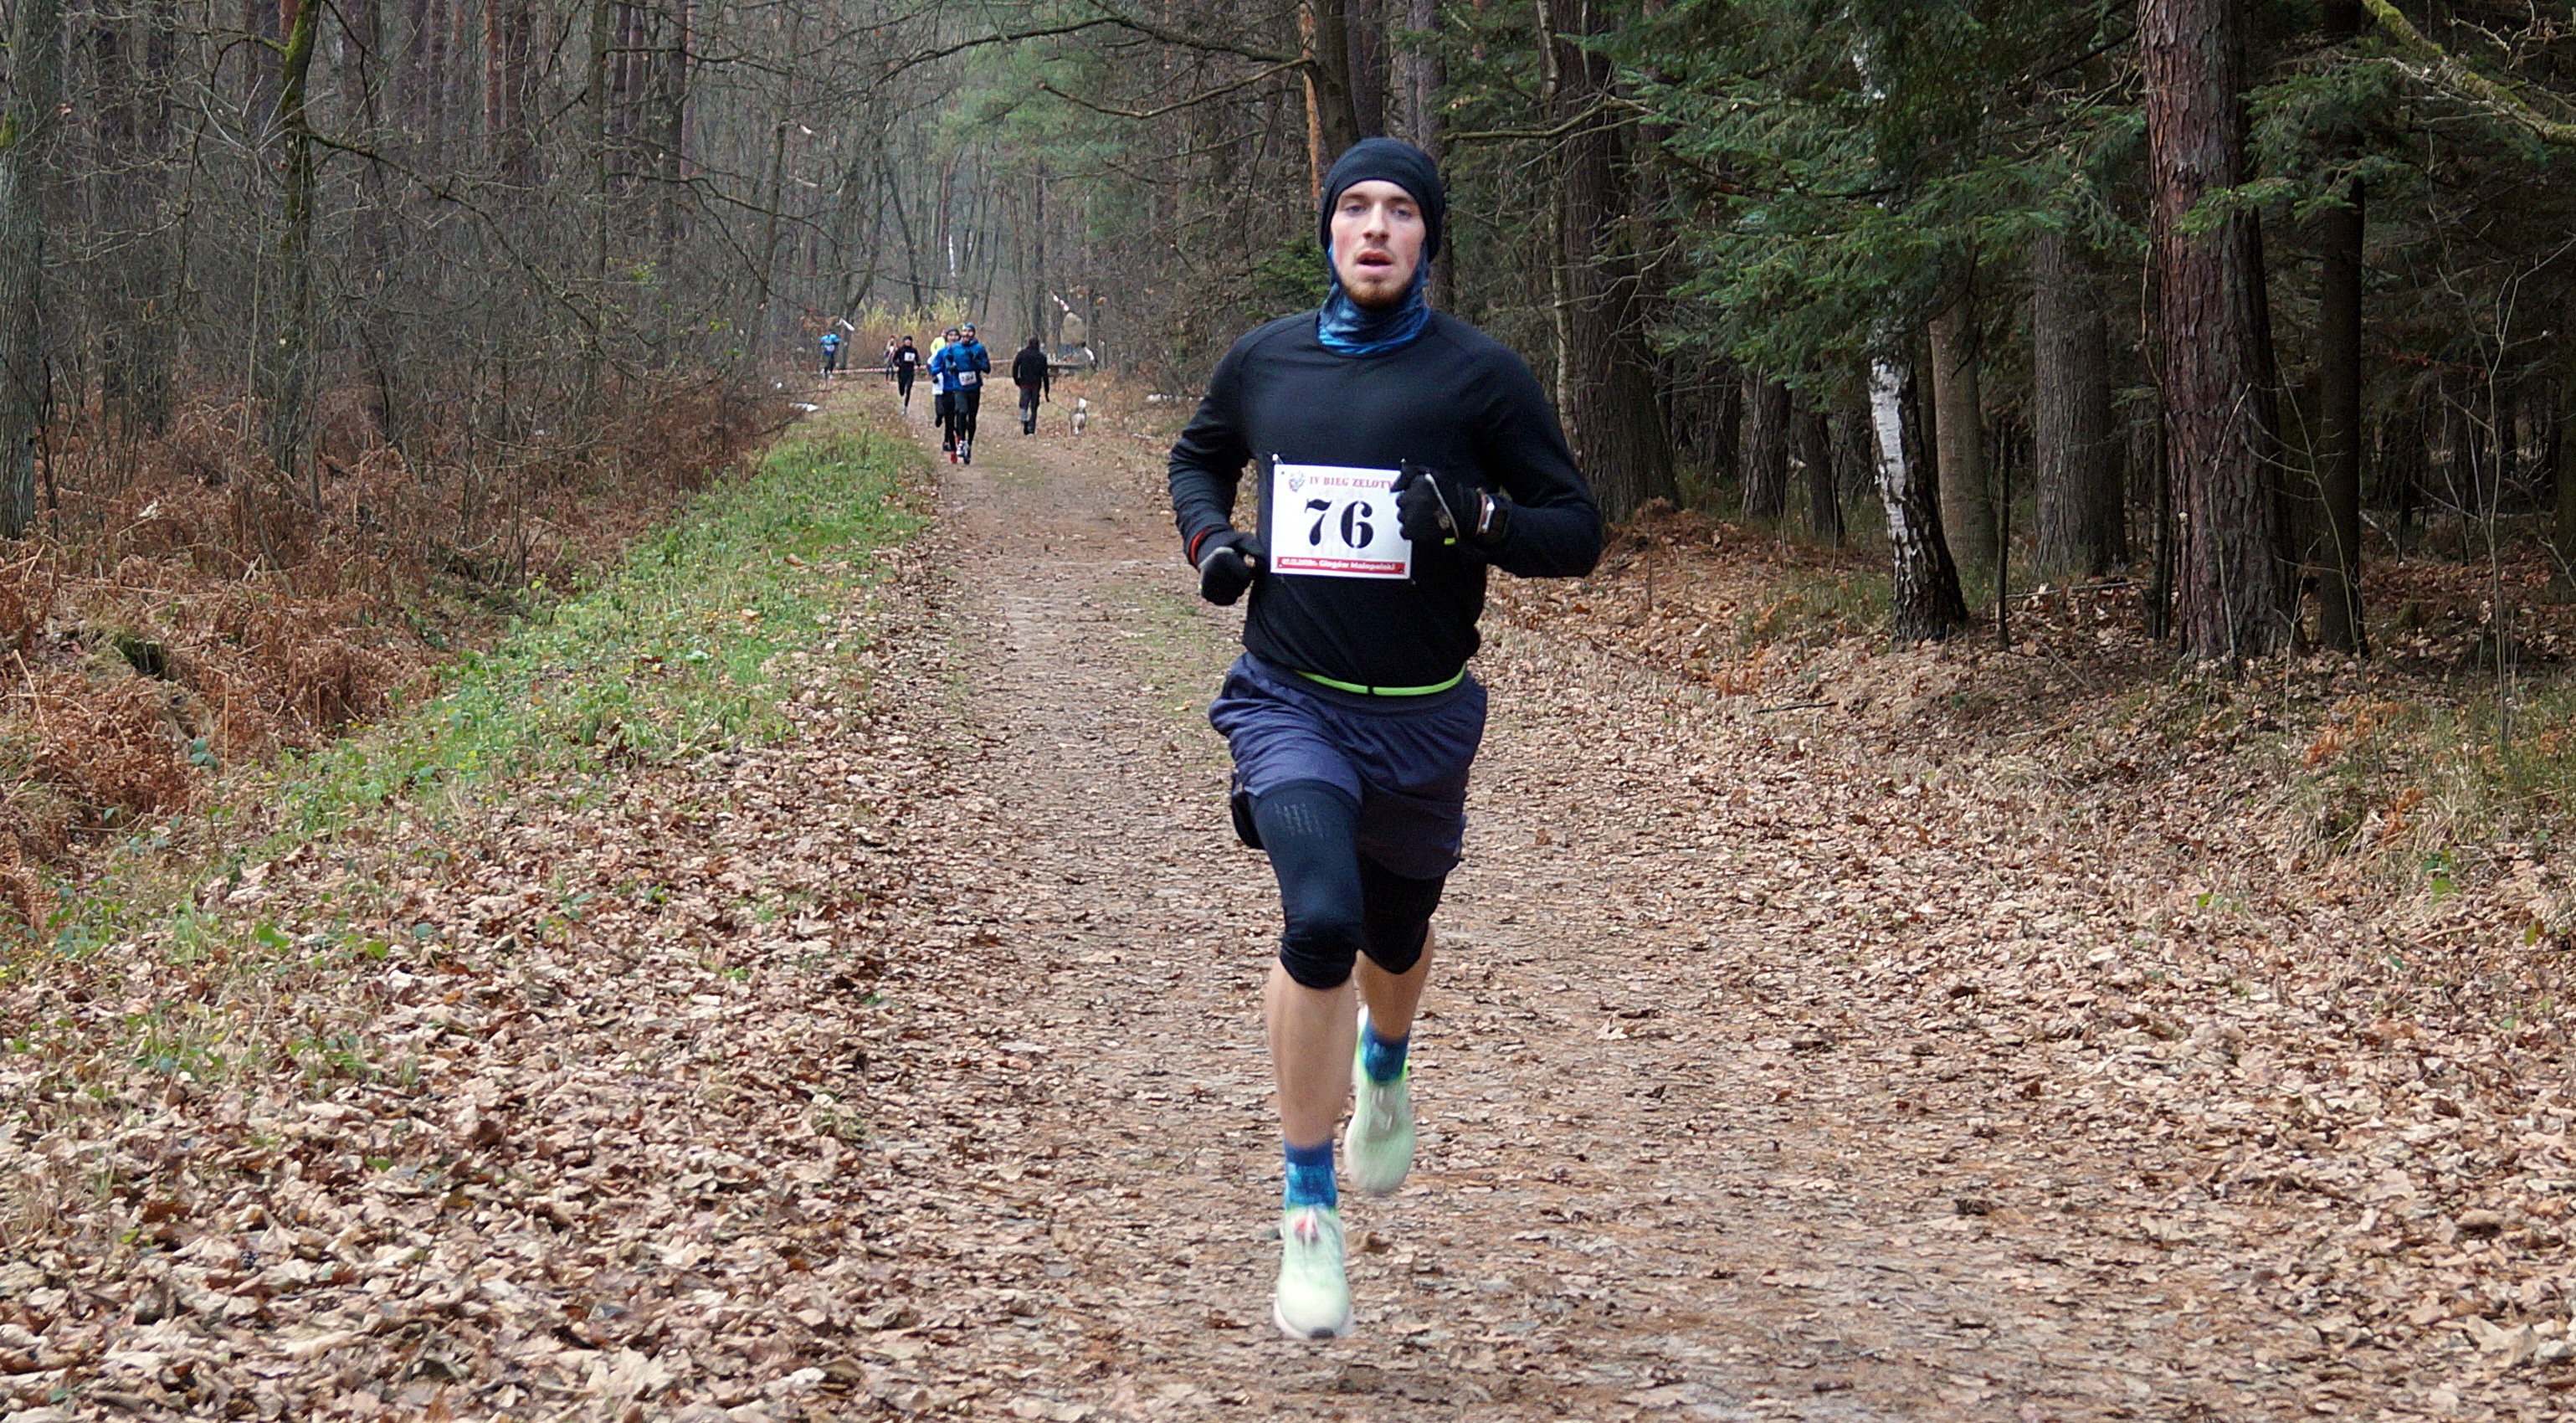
1227	563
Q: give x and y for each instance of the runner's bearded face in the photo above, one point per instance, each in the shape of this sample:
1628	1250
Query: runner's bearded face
1378	233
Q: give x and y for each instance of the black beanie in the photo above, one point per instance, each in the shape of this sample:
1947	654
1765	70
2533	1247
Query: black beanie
1394	161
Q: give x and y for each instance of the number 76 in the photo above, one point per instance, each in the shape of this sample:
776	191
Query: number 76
1356	531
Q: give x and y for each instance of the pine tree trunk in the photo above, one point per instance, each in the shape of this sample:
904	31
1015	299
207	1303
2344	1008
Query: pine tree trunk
1824	494
1854	469
1923	584
1958	424
1766	460
2340	434
1605	370
2563	533
2339	430
1364	22
2077	481
1332	124
26	183
2155	438
2232	590
1425	75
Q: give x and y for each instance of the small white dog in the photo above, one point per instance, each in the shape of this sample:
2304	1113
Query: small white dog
1081	413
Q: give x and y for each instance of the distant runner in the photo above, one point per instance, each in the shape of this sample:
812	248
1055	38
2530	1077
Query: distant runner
961	368
1400	453
831	344
903	362
941	404
1029	371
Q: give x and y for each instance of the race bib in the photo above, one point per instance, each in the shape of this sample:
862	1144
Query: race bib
1332	521
967	378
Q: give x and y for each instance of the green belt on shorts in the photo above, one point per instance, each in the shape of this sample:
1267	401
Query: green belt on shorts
1364	690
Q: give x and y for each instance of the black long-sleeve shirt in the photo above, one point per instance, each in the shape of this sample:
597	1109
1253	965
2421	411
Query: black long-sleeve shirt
1453	399
1029	370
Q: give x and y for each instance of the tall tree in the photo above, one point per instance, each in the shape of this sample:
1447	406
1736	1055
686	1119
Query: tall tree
27	127
1824	491
1365	24
1959	435
288	386
1332	120
1425	75
2563	529
135	60
2213	338
2339	233
2082	524
1923	584
1766	459
1605	369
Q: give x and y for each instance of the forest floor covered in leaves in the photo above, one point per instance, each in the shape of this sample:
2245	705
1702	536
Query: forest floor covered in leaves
1822	1032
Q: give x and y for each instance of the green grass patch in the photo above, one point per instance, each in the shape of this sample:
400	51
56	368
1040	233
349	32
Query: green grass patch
673	653
686	646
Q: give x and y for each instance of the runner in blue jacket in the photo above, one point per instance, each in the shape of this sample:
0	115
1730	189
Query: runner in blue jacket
961	367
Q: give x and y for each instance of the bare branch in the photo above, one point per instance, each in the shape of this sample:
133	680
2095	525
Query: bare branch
1218	92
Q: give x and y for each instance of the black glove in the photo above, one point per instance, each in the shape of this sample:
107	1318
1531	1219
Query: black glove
1436	508
1227	562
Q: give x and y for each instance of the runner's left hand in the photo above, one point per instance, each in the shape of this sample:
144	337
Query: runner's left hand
1434	507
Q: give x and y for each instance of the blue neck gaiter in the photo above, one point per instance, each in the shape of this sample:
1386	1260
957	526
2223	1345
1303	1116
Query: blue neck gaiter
1355	330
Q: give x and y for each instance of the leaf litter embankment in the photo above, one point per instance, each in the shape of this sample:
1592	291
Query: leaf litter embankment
180	619
511	1091
2085	920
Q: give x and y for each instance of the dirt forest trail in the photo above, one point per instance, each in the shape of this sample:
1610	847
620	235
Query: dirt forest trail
1672	1164
904	1060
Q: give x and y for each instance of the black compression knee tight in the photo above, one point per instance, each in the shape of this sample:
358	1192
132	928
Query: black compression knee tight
1398	915
1310	830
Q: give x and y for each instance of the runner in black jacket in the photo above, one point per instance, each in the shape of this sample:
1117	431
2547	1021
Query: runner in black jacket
1029	371
1399	453
904	364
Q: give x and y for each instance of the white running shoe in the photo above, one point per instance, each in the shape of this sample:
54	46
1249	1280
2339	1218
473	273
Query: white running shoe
1379	1143
1314	1299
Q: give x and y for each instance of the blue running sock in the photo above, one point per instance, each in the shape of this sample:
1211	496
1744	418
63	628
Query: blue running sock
1382	1058
1310	1176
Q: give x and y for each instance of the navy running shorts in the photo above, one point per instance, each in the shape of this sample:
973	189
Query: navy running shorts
1403	760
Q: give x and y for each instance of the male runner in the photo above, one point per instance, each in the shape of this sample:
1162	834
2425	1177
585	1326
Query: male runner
961	367
831	344
1031	373
941	406
1400	453
904	362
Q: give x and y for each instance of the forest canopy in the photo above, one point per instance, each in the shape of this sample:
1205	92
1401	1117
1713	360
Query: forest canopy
2228	295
